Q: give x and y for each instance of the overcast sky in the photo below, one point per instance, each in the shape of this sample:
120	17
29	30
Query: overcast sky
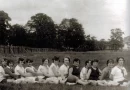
98	17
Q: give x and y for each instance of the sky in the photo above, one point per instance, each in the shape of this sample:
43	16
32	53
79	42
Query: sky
98	17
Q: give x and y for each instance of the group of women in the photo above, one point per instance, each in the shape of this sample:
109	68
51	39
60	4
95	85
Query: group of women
112	75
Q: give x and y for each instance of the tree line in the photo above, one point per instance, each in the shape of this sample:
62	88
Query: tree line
42	32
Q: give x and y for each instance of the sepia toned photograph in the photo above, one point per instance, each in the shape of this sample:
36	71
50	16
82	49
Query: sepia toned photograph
64	45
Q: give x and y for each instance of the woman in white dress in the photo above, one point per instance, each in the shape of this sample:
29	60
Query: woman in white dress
32	72
54	71
119	73
44	69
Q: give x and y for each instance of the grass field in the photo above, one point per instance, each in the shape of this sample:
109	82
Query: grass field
102	56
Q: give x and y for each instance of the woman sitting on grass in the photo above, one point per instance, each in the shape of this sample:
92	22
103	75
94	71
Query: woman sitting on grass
19	70
119	73
74	74
84	71
64	69
32	73
94	74
54	71
9	69
44	69
2	72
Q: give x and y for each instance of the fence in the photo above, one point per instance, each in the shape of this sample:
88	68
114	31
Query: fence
21	49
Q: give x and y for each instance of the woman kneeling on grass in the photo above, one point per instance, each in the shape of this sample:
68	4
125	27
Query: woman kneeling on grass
2	72
119	73
74	74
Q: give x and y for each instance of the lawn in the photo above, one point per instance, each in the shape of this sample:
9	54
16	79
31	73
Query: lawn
102	56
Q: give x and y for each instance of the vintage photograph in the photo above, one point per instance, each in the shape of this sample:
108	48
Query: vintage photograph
64	45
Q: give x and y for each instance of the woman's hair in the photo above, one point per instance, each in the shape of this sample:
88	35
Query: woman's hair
55	58
118	58
29	60
43	60
76	60
66	57
110	61
86	62
95	60
20	59
10	61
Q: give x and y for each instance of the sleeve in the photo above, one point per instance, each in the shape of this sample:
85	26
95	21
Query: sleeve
125	72
7	71
113	71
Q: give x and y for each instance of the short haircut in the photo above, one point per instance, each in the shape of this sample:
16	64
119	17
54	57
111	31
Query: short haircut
86	62
110	61
66	57
95	60
76	60
10	61
118	58
5	59
20	59
29	60
55	58
43	59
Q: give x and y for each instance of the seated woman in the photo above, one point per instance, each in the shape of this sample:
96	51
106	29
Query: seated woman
105	76
84	71
54	71
32	73
44	69
74	73
19	70
94	74
2	72
9	69
64	69
119	73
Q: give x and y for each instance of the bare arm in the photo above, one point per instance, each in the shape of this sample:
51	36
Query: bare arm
89	72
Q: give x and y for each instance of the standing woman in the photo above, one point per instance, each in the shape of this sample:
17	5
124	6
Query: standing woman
119	73
2	72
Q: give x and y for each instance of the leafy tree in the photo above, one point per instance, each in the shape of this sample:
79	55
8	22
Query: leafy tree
44	29
3	27
18	35
72	33
116	39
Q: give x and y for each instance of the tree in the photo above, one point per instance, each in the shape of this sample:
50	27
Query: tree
116	39
45	30
72	33
3	27
18	35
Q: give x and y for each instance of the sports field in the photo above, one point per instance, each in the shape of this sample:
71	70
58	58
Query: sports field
102	56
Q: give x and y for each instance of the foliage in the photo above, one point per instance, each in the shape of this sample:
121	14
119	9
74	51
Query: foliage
116	39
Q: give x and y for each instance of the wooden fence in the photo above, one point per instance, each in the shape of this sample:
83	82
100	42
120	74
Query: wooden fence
21	49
